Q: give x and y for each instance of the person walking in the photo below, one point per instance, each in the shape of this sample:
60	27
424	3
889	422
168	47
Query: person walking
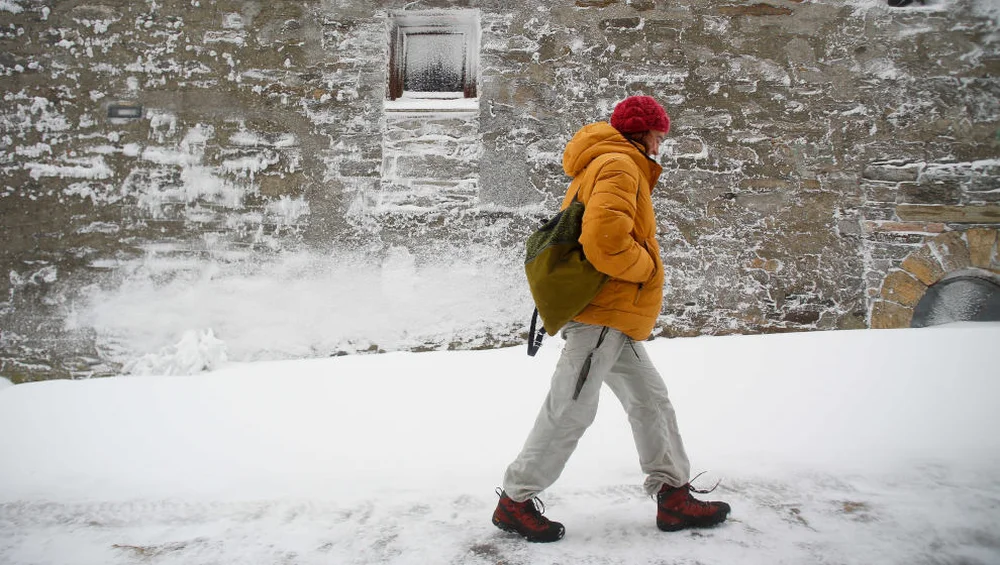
613	170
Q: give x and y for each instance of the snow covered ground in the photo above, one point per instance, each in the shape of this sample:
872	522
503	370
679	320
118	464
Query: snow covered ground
852	447
302	304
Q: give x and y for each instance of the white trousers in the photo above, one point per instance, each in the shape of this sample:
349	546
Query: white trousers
624	365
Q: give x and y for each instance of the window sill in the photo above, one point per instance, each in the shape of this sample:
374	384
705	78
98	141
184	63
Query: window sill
432	105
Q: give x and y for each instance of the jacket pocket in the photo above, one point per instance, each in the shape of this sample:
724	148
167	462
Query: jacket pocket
654	254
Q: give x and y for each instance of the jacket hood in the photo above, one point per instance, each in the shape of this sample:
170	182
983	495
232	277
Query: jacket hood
596	139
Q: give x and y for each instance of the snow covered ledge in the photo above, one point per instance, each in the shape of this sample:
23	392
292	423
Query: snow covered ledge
432	105
941	258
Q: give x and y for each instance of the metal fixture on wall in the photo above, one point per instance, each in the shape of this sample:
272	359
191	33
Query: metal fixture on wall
124	110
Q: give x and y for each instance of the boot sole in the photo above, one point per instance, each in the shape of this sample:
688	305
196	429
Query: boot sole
708	522
534	539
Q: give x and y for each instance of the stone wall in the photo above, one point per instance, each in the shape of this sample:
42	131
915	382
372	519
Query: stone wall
814	147
775	206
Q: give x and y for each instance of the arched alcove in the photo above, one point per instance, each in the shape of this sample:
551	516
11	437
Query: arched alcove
956	265
969	296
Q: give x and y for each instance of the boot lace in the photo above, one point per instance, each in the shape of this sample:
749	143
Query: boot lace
692	505
689	500
699	491
534	512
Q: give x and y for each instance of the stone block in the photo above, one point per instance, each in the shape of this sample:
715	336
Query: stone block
952	251
801	317
282	185
981	184
769	265
985	214
938	192
903	227
923	265
894	251
851	321
622	24
359	168
661	31
879	192
847	227
766	184
760	9
94	12
552	47
434	167
889	315
642	5
891	172
902	288
765	204
844	182
982	247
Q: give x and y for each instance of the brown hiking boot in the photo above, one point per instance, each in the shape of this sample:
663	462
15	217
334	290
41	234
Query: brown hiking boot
676	509
525	518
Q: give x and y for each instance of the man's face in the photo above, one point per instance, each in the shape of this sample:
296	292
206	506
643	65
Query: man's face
651	140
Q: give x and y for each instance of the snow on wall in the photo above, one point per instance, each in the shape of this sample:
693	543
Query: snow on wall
429	162
269	189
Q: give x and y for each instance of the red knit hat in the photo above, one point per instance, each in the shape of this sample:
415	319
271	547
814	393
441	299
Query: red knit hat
639	113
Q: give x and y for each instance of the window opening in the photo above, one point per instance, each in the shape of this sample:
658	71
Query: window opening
435	62
433	54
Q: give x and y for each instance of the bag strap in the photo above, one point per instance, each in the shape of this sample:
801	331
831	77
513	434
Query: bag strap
535	337
585	371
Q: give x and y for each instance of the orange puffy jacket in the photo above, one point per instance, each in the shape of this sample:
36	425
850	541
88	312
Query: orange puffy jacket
614	180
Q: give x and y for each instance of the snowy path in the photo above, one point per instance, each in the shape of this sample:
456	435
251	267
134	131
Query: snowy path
884	452
810	519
